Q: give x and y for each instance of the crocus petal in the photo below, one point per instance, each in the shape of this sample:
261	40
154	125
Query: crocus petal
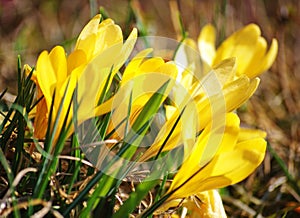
40	120
225	70
90	28
87	38
239	91
237	164
189	128
96	36
261	60
184	133
213	106
46	76
207	146
133	66
59	63
112	103
99	53
241	45
76	59
112	61
211	205
108	35
269	57
252	68
88	46
206	44
225	169
246	134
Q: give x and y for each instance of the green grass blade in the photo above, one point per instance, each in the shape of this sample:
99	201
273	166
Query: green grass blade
19	145
103	190
49	165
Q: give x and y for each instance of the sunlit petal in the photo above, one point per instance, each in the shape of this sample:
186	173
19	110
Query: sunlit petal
206	44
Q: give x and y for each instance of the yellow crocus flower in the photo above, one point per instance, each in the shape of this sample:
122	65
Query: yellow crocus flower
246	44
236	157
206	102
99	51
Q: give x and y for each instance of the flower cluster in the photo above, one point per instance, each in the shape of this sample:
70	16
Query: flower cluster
198	99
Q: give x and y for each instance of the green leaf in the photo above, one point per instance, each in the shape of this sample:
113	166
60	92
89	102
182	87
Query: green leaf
103	190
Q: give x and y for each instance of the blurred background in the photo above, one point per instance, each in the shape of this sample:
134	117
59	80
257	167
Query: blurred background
29	26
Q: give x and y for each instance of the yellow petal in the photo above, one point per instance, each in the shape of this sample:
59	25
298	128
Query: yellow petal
269	57
246	134
41	120
213	106
76	59
133	66
87	38
112	62
241	45
108	35
87	45
261	61
96	37
168	70
144	86
231	133
214	204
126	49
225	70
187	78
112	103
46	76
151	64
211	205
90	28
206	44
170	111
208	143
98	70
241	162
255	63
189	128
226	168
59	63
239	91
